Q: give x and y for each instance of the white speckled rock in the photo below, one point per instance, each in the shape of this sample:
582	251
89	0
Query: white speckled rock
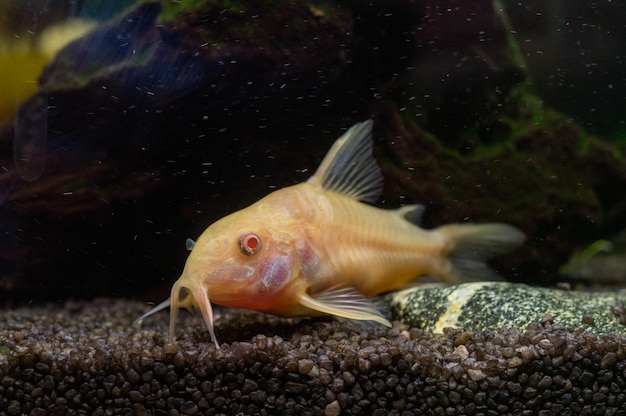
494	305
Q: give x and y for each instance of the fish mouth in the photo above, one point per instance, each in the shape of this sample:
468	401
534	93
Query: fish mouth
226	282
190	297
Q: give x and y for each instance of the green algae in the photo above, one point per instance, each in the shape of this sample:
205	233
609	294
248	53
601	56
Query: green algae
586	254
4	351
513	52
172	10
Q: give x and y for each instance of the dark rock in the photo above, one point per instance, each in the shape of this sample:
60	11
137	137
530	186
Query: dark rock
145	131
103	157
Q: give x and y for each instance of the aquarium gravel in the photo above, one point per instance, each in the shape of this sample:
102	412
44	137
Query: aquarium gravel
89	357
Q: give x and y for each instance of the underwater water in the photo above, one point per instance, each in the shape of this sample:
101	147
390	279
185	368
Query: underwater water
126	128
129	127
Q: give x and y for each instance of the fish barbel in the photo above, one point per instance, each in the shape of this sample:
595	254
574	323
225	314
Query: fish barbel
315	248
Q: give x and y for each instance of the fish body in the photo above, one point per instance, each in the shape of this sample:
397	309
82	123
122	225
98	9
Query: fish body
315	248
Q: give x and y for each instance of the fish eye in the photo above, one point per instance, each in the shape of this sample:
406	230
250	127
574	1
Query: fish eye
250	243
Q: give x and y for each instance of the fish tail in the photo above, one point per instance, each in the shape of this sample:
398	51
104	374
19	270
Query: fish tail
468	246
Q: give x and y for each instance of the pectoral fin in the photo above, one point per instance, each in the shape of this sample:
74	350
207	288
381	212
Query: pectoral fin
345	302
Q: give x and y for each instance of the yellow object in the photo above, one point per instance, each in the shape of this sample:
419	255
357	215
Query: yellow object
21	62
19	72
314	249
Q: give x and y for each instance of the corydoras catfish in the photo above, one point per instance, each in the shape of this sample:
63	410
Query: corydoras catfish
315	248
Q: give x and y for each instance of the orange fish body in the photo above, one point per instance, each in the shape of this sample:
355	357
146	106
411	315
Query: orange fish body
313	248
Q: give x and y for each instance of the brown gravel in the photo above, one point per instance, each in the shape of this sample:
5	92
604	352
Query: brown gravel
89	358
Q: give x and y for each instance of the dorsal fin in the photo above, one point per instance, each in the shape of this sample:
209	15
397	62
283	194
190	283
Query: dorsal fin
349	168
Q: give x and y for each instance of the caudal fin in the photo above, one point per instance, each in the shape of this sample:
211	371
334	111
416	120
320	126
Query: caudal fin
470	245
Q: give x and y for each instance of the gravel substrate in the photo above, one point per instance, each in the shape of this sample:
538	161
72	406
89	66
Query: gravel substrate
90	358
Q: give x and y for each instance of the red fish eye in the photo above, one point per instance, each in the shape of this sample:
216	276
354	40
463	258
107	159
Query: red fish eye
250	243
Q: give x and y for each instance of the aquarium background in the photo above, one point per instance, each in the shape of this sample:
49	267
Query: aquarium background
126	128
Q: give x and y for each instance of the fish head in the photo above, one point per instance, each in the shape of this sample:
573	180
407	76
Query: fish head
239	261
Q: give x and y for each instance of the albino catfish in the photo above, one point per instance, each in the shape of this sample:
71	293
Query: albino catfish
315	248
